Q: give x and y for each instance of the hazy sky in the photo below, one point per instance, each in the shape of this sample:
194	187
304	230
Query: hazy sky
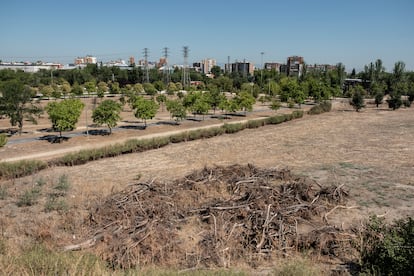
354	32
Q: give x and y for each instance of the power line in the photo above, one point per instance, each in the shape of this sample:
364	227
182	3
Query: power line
186	76
146	64
166	68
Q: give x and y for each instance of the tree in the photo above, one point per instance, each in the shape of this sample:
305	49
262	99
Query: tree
16	103
161	99
65	114
177	110
107	113
378	98
102	89
149	88
275	105
77	90
357	100
47	91
144	109
201	106
245	101
216	71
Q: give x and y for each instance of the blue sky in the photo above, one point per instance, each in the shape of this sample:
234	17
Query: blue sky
322	31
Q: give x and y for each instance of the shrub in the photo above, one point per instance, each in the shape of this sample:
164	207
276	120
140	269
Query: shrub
297	114
256	123
211	132
233	128
17	169
3	139
194	134
274	120
322	107
179	137
388	249
406	103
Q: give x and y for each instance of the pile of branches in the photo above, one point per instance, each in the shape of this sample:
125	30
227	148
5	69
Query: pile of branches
215	217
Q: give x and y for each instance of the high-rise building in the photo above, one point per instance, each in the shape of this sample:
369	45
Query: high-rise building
245	68
295	66
207	65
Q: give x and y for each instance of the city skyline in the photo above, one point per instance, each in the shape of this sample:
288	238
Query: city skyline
323	32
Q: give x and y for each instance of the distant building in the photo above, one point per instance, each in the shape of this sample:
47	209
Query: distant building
86	60
131	61
294	66
207	65
319	67
30	67
273	66
246	68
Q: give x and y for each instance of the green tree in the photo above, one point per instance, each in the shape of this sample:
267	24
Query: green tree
77	90
245	101
216	71
17	104
102	89
177	110
149	88
144	109
114	88
200	106
47	91
357	100
171	88
107	113
64	114
90	86
275	105
161	99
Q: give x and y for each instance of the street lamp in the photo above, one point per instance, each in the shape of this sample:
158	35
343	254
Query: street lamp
261	72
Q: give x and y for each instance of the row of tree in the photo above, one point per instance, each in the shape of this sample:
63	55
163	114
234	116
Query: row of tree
18	89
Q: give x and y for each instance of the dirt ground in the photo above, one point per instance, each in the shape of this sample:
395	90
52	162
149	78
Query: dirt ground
370	152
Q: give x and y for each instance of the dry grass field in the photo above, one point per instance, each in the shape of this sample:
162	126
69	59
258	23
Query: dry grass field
370	153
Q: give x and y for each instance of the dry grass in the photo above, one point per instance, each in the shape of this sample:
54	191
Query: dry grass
371	152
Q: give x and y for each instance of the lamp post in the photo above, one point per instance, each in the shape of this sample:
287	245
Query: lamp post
261	71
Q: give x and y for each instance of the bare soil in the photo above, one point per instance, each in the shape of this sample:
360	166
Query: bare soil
370	153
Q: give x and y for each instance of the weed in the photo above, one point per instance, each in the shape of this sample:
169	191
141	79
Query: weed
29	197
40	182
3	193
63	184
55	204
3	139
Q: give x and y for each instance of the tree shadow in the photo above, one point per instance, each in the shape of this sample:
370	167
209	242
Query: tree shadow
221	117
141	127
98	132
168	123
9	131
49	129
54	139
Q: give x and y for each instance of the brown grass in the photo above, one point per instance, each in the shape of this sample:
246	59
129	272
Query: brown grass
371	152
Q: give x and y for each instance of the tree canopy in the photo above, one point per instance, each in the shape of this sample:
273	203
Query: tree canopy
64	114
107	113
